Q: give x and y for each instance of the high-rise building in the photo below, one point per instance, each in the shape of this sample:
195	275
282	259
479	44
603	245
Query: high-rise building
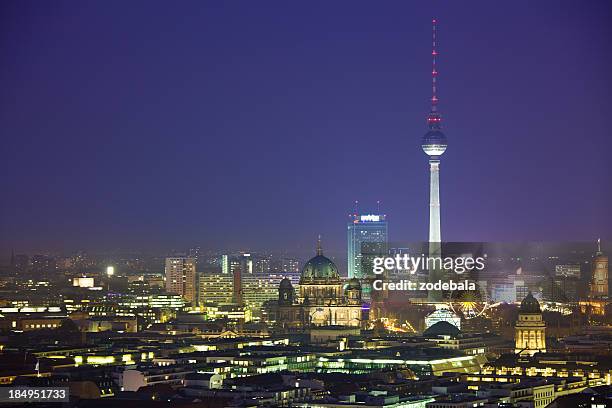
229	263
367	233
181	277
434	145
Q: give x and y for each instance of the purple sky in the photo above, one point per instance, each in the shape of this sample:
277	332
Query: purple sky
151	125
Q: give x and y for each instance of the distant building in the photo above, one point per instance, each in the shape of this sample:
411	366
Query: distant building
165	301
260	288
131	379
228	264
503	292
567	270
181	277
83	282
262	265
290	265
599	278
366	229
257	289
215	288
566	289
21	263
530	329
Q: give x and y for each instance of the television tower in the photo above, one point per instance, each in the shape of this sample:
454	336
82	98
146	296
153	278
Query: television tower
434	145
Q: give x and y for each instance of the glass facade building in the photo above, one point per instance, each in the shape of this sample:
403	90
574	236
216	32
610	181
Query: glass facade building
366	233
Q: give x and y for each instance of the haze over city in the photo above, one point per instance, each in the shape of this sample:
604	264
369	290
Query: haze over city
257	126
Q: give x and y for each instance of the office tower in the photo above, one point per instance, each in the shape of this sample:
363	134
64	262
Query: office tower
567	271
367	234
530	328
599	277
228	264
215	289
246	263
257	289
181	277
434	145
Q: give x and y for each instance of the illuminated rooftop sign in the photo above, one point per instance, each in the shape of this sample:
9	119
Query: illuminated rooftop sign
369	218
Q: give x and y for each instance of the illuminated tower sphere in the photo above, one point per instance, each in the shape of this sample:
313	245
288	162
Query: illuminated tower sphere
434	145
530	329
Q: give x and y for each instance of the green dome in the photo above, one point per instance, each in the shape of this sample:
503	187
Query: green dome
320	267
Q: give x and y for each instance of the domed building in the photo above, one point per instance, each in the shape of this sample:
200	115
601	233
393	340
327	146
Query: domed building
323	299
530	328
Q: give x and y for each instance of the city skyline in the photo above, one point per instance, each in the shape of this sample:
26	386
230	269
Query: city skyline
100	187
245	204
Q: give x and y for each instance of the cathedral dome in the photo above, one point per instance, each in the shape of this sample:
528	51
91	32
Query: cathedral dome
320	267
530	305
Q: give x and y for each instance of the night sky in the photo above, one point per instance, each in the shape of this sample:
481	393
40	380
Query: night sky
160	125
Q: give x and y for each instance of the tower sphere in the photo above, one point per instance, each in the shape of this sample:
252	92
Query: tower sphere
434	143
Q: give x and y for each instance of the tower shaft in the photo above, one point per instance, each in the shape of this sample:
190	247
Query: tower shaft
434	201
435	246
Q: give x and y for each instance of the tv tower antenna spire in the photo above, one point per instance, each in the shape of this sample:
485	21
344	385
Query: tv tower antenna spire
434	145
434	118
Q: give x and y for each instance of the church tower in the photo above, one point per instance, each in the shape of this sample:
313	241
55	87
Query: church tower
530	329
598	288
